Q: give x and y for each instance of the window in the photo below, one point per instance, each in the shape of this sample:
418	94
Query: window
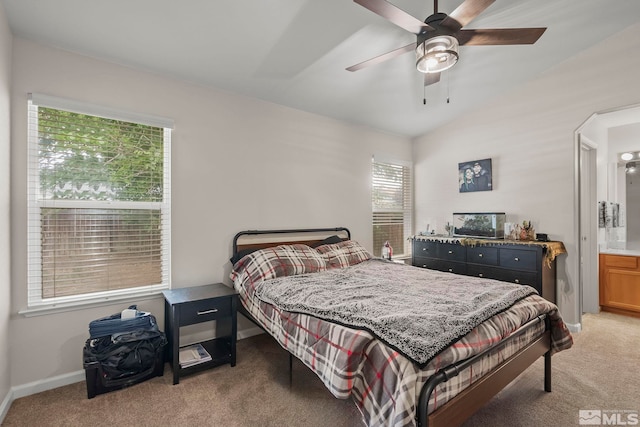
392	206
99	203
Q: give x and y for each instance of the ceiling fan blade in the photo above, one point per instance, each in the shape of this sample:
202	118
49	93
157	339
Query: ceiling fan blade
398	16
431	78
383	57
465	13
501	36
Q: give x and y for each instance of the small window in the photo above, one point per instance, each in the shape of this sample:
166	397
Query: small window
392	206
99	204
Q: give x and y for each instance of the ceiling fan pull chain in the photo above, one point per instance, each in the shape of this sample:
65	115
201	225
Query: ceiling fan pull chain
448	87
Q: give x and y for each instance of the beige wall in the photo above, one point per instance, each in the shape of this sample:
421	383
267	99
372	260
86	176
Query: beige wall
238	163
5	228
529	134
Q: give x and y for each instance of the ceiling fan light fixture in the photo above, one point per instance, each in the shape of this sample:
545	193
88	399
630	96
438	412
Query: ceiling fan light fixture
436	54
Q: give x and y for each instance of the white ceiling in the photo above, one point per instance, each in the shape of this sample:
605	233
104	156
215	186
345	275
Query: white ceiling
294	52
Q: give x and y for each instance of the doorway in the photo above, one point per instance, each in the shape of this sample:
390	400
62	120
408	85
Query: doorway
595	180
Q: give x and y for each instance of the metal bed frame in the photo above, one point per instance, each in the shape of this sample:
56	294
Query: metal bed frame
469	400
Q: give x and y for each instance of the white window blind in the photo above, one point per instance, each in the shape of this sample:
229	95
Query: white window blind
99	222
392	206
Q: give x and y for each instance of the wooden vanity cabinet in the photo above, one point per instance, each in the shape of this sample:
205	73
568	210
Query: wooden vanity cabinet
620	284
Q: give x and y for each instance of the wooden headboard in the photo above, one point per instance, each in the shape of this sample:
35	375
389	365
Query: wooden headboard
260	239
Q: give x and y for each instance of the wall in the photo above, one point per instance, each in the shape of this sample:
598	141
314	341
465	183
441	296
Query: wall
5	228
529	134
238	164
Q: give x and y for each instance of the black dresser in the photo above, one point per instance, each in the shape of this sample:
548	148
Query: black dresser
526	263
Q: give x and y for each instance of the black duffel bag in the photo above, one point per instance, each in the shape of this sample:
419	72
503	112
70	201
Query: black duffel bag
124	347
128	354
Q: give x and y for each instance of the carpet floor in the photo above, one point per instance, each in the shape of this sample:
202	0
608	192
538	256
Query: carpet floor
601	372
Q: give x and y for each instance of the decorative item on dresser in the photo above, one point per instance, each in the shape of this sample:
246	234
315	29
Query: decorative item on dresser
527	263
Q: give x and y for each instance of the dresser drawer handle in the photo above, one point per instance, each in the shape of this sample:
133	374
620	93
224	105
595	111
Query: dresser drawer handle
480	255
451	270
517	281
450	252
424	265
480	275
516	259
202	313
424	249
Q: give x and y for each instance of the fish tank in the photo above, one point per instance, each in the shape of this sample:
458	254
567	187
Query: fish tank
485	225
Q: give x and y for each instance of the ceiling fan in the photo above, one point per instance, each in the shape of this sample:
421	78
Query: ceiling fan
440	35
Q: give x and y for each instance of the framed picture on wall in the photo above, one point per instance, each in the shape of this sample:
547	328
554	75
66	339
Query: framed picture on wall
474	176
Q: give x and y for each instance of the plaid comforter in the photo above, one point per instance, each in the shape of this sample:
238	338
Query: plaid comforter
385	385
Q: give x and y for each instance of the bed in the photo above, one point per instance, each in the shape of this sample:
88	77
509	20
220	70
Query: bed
409	346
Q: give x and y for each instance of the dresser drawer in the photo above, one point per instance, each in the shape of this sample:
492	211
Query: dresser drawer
482	255
518	259
452	267
519	277
482	271
431	263
204	310
450	252
424	248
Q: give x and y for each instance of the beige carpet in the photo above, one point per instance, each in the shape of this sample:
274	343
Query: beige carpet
601	371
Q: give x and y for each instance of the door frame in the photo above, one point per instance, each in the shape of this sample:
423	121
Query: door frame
580	181
589	301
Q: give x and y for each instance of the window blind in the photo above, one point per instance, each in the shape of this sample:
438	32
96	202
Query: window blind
99	206
392	205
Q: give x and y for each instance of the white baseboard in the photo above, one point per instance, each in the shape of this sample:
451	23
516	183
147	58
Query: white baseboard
249	332
70	378
6	403
574	327
47	384
36	387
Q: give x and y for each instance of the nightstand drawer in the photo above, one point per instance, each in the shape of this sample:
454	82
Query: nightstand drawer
204	310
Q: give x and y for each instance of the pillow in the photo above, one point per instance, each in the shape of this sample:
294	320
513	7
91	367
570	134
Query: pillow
344	254
283	260
328	241
241	254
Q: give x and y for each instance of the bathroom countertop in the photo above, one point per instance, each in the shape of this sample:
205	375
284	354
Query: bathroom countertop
627	252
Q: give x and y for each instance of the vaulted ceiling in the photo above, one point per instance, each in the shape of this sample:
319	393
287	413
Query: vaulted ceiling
294	52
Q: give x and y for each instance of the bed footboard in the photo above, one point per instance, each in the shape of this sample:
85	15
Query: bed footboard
466	403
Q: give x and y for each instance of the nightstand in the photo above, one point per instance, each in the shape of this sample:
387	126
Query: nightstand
188	306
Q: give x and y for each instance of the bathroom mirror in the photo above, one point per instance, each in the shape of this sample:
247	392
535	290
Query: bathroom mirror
629	174
624	185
